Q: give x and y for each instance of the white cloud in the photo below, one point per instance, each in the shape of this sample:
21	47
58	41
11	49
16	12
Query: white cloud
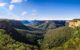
11	7
34	13
16	1
2	4
24	13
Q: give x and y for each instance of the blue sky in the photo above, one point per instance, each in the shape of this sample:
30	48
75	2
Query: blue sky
40	9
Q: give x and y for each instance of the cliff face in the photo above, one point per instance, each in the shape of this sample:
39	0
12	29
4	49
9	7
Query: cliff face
74	23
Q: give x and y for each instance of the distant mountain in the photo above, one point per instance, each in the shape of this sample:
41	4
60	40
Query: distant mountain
20	32
26	22
60	23
20	25
33	33
45	24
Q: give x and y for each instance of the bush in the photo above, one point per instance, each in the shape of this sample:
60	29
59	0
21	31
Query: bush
56	37
7	43
63	38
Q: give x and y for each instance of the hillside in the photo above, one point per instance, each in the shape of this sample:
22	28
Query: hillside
16	36
63	38
45	24
22	33
8	43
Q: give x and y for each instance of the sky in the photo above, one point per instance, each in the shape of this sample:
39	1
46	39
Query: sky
39	9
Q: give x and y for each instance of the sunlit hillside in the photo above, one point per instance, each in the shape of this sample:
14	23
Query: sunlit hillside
16	36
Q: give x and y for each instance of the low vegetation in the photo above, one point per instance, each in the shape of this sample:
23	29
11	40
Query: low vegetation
8	43
62	38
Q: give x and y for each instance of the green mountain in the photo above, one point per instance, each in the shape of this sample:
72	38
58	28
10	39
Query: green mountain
15	36
63	38
8	43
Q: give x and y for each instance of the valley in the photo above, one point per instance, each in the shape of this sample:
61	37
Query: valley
39	35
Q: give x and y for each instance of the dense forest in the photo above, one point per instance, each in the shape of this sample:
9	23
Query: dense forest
61	38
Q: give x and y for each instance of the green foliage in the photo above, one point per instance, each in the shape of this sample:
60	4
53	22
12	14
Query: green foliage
63	38
56	37
74	42
7	43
